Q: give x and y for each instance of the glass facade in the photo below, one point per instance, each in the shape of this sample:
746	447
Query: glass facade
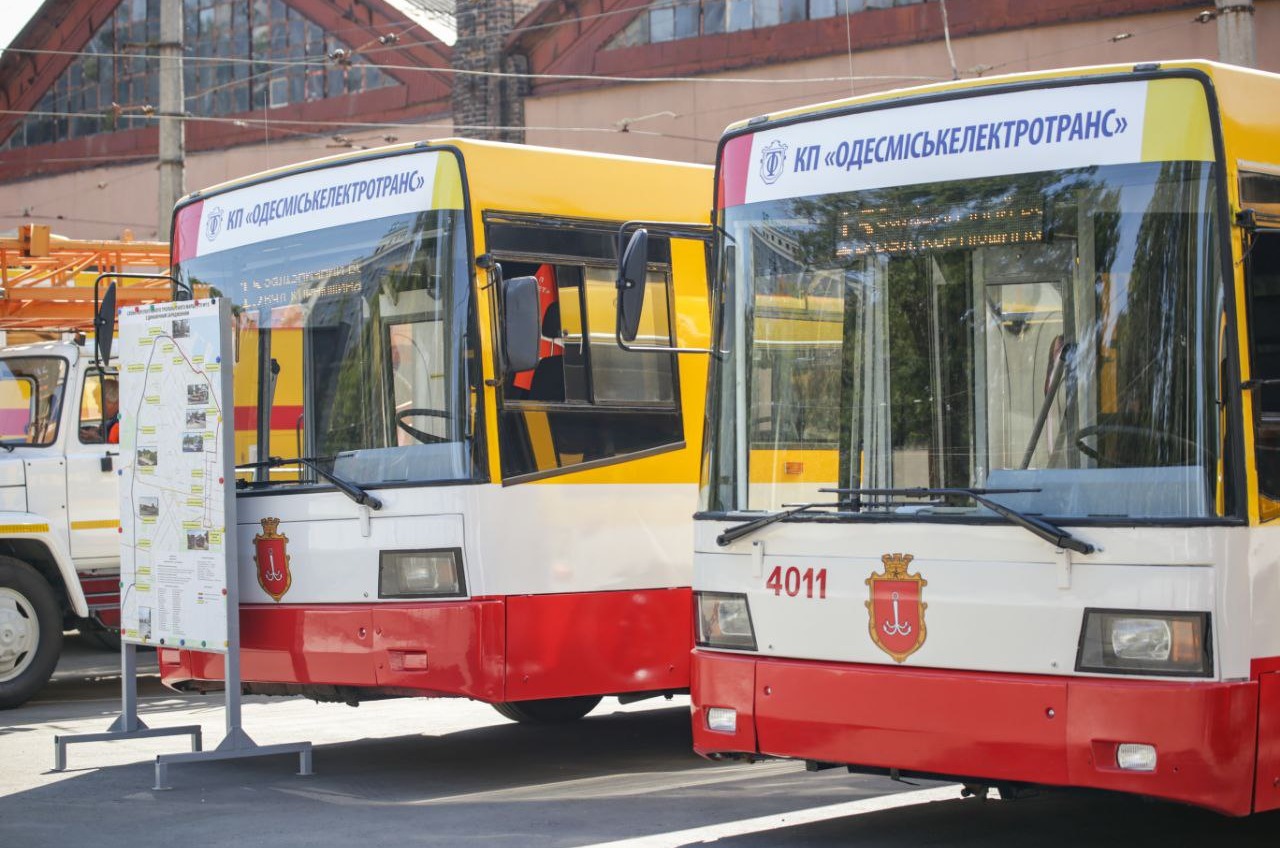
228	48
671	20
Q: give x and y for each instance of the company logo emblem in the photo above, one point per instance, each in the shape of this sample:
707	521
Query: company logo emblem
896	609
272	559
772	160
213	223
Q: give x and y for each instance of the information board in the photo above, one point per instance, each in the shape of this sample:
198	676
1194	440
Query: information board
175	390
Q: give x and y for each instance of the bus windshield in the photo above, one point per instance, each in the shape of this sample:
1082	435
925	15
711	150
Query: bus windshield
350	340
1053	332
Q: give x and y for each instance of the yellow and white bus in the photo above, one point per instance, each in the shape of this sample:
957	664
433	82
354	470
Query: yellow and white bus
453	480
1019	527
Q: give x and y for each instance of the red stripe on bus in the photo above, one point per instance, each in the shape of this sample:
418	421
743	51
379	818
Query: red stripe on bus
282	418
186	235
734	166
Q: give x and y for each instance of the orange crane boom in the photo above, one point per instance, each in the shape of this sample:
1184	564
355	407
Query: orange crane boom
46	281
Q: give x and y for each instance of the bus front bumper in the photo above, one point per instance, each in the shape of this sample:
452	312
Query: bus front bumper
986	727
514	648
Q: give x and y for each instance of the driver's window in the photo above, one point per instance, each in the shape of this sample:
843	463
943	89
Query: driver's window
415	357
100	410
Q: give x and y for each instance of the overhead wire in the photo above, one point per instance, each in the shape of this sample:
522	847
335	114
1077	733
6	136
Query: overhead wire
278	65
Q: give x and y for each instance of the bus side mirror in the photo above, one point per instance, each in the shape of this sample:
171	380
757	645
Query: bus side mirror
632	275
522	325
104	325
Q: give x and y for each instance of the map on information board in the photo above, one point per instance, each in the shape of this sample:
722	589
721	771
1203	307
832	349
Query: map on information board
173	515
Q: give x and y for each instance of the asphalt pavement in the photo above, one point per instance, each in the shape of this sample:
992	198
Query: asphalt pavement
450	772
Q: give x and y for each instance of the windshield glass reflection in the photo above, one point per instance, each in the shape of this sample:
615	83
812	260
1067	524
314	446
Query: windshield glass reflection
1054	331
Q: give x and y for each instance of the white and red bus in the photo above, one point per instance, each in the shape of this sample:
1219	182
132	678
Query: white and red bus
453	481
998	502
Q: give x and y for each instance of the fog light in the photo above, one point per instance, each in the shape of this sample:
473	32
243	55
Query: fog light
722	719
420	574
1132	756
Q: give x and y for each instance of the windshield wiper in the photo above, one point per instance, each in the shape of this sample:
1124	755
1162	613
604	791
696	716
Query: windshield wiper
9	446
748	527
347	488
1051	533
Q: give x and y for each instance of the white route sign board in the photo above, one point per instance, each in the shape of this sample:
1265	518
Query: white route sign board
175	411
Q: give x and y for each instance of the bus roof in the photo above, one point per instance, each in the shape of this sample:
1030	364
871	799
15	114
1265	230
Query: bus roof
500	174
1227	79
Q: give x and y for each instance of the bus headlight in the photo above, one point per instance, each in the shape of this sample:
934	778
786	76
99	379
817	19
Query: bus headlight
420	574
1145	642
724	621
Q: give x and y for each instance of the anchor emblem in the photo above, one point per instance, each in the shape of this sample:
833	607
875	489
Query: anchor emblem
272	559
273	574
897	628
896	604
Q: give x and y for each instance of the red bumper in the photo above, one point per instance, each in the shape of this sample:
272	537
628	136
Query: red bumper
498	649
991	727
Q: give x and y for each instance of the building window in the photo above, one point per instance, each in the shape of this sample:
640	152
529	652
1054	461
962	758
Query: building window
233	49
671	20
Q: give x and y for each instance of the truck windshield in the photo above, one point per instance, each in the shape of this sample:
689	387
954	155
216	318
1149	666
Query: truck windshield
1052	332
31	392
351	333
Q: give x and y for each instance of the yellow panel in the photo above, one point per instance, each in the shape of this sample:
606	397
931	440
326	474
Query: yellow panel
447	191
1176	128
794	466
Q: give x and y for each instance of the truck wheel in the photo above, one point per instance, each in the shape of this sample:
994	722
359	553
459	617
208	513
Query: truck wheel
549	710
30	632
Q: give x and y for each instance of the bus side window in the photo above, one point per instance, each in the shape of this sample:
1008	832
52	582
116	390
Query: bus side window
1261	192
1263	286
587	400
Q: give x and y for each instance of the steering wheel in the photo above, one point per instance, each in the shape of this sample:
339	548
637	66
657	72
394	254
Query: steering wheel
1161	436
424	437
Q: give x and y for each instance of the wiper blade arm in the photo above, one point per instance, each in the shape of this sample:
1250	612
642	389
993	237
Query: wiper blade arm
345	486
1051	533
748	527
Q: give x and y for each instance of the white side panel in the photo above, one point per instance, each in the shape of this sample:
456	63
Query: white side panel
530	539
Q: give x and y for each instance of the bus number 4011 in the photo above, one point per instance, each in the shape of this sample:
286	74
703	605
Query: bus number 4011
793	580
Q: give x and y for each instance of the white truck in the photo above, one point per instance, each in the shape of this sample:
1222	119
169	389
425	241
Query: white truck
59	509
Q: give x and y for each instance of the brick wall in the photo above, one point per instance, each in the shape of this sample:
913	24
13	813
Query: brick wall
484	102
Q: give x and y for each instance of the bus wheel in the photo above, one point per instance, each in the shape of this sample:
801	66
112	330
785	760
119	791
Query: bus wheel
30	632
548	711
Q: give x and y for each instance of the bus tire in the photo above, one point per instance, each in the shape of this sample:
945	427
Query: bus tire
549	710
30	632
